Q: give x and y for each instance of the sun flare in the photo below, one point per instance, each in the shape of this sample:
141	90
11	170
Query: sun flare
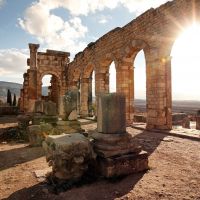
186	65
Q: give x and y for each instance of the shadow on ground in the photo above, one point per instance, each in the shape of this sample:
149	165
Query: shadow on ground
98	190
149	140
102	189
12	157
8	119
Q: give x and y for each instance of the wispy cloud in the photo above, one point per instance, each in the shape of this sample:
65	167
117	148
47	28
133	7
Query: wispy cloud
52	30
55	32
12	62
2	3
104	19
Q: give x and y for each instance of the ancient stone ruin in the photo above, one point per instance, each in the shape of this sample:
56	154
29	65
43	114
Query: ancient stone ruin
154	31
109	152
117	151
70	95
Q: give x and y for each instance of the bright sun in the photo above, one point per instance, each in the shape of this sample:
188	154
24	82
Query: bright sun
186	65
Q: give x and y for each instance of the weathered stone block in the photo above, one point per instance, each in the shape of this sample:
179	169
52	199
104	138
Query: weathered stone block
39	106
50	108
122	165
69	155
44	119
68	127
108	145
35	135
70	105
111	117
139	118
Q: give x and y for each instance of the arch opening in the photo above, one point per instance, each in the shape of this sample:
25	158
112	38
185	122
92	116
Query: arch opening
50	89
112	77
185	70
91	96
140	82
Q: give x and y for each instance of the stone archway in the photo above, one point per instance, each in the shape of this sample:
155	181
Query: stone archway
156	27
51	62
54	92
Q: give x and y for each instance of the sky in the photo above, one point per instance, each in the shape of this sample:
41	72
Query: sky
67	25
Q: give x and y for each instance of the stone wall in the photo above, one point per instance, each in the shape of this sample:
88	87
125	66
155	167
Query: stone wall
9	110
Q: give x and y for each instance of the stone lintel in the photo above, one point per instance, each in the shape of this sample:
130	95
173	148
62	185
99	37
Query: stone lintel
59	53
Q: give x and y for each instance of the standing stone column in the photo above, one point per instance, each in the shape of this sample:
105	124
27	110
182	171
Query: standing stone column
78	99
84	97
100	87
159	106
32	77
125	86
90	96
33	55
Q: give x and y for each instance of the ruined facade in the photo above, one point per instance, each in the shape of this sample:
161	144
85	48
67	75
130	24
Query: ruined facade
154	32
41	64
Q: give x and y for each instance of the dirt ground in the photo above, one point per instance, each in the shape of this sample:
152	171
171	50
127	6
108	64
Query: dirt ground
174	172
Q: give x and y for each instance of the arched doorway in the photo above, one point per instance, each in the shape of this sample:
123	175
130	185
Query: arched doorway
127	79
112	77
140	83
49	89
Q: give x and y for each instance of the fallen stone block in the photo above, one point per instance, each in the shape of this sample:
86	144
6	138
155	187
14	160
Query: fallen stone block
35	135
50	108
69	155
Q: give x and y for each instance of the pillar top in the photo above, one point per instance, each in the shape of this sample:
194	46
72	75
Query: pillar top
33	46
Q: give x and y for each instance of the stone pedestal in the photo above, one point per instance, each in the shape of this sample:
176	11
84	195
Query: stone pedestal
117	152
109	145
122	165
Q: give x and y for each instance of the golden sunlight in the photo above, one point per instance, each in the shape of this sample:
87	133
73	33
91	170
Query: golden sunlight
186	65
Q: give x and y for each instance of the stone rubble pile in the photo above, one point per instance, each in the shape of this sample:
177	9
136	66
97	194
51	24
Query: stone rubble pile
45	119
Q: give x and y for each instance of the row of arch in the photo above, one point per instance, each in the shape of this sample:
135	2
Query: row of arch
154	32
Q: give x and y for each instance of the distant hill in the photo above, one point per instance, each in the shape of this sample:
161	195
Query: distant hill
14	88
187	106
